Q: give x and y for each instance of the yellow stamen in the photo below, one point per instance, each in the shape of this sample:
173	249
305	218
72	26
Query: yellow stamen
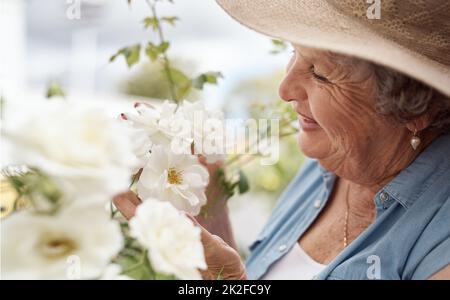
174	176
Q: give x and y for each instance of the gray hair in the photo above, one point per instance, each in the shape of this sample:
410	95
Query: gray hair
405	98
399	96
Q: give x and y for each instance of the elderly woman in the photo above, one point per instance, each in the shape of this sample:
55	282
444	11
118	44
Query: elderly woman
373	102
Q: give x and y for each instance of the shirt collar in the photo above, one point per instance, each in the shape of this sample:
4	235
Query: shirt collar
413	181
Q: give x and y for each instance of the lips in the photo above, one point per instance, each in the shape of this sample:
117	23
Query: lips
307	123
306	119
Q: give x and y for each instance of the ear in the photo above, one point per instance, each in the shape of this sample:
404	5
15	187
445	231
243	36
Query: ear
420	123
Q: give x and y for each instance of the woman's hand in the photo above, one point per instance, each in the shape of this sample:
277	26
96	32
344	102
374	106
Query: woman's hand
214	216
127	203
222	260
217	237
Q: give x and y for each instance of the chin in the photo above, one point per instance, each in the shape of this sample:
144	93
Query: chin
313	144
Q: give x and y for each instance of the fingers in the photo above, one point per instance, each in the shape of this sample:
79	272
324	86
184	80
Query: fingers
127	203
221	258
212	167
133	197
208	239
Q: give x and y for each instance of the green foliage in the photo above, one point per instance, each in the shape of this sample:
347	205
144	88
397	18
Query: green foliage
151	22
243	185
278	46
155	51
266	104
36	187
232	184
154	23
170	20
209	77
134	261
150	80
180	84
131	54
273	179
184	85
55	90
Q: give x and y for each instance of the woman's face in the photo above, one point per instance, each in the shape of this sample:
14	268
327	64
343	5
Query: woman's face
339	125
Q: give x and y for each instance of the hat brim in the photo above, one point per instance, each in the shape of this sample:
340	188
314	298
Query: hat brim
317	24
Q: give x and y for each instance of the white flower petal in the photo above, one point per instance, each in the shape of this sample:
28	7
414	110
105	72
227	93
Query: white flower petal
174	243
77	144
78	243
184	195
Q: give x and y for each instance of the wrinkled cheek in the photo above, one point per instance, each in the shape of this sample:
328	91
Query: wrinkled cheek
338	138
339	128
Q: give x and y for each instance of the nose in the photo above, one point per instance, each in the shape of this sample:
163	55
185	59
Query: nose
291	87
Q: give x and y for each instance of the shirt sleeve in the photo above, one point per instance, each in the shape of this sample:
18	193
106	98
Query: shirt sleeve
434	261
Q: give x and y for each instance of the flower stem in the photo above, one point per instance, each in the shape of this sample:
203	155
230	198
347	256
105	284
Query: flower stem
166	62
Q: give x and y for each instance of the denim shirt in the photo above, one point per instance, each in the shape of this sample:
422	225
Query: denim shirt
409	239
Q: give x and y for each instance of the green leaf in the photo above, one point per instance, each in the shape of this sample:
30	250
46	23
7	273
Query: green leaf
228	187
134	268
132	54
55	90
182	83
279	46
278	43
170	20
243	185
160	276
151	22
151	51
163	47
154	51
134	260
209	77
178	77
37	188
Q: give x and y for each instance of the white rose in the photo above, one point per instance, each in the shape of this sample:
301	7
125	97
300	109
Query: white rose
173	241
113	272
81	148
141	144
77	243
207	130
179	179
160	124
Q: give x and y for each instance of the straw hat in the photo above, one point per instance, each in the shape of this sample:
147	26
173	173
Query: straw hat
410	36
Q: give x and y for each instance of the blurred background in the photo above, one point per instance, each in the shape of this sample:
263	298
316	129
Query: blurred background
64	46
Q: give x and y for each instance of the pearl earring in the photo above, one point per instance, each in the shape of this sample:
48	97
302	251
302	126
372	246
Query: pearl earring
415	140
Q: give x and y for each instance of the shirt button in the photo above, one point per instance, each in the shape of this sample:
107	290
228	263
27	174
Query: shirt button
317	203
282	248
383	197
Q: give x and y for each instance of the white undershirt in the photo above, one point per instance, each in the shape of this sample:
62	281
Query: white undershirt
294	265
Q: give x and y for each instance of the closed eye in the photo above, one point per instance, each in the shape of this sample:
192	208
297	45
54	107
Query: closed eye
319	77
